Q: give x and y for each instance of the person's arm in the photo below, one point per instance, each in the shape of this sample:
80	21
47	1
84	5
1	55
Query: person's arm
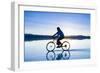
55	34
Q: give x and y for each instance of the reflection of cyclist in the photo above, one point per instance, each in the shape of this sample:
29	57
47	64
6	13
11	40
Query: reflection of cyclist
60	36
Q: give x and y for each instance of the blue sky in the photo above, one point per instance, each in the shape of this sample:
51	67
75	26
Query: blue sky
46	23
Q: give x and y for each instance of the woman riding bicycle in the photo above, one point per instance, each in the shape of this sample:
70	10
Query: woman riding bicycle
60	35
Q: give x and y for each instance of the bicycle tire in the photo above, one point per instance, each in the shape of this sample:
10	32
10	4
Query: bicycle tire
66	46
48	44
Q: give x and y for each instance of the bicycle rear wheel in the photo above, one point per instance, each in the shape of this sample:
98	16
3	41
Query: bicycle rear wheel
65	45
66	55
50	46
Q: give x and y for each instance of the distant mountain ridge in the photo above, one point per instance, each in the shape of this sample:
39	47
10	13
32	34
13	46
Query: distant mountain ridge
32	37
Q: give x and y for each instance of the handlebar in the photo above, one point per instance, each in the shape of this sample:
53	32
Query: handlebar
54	37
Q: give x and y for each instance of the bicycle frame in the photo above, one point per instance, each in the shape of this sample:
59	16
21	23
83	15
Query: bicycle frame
52	45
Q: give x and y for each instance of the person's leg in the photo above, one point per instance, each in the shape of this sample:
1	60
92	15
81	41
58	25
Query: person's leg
58	42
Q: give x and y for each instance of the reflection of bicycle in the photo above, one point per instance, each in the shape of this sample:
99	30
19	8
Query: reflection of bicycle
52	55
52	45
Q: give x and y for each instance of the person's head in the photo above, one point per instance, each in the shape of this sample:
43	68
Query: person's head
58	28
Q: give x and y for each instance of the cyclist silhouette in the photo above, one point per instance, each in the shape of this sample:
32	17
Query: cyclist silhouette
60	35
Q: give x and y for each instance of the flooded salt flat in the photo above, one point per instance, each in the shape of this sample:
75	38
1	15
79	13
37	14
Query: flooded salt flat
36	51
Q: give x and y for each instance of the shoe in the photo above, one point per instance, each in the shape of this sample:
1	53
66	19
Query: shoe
59	46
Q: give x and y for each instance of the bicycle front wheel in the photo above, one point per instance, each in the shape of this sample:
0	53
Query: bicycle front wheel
50	46
65	45
50	55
